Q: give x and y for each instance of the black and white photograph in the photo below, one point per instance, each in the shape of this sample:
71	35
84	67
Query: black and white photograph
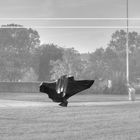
69	70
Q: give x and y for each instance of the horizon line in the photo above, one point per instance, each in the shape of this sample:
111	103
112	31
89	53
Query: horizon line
73	27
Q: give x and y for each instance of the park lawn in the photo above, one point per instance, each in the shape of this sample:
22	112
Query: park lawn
42	97
110	122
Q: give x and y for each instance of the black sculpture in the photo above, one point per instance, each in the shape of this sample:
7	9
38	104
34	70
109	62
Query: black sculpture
65	87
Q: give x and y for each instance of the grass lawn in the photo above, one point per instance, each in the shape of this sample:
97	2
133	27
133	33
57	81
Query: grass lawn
120	122
110	122
77	98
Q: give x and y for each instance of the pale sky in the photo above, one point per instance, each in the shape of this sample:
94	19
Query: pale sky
84	40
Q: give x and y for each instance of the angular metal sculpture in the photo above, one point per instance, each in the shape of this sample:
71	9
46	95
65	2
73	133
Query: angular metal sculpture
65	87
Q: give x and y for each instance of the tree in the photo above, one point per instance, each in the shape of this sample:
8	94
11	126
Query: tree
118	41
17	47
71	64
114	60
96	67
118	45
47	52
29	76
134	65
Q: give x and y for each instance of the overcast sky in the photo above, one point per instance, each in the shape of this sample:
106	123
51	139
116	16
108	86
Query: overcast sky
83	40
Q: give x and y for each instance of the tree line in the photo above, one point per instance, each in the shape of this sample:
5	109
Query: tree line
23	58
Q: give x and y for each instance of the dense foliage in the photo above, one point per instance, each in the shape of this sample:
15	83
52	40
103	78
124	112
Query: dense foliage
22	58
17	47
